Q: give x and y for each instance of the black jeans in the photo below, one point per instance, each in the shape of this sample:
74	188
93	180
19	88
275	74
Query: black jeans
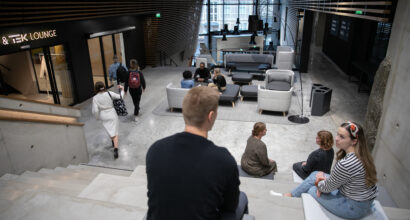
297	167
241	209
136	98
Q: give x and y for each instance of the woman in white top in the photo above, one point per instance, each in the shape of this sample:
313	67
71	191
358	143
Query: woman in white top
350	189
103	109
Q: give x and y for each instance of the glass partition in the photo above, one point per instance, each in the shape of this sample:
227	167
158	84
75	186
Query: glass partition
62	75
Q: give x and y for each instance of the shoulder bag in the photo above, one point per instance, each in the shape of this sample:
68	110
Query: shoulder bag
119	105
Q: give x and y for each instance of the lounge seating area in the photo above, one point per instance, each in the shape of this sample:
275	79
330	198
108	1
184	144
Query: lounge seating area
248	62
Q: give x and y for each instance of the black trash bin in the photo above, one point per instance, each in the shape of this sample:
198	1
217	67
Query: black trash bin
314	86
321	97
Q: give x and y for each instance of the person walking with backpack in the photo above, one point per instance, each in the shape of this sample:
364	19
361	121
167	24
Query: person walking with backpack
117	71
136	84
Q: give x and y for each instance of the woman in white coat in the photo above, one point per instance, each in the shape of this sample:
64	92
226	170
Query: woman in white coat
103	109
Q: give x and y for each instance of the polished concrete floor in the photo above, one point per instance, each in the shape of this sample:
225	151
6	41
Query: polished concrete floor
286	143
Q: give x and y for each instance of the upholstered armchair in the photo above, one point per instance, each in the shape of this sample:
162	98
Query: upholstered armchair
284	58
277	94
175	96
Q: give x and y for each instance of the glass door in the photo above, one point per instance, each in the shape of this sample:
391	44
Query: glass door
62	75
52	73
102	50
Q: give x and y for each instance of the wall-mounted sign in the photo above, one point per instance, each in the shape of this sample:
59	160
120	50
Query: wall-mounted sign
19	38
344	29
334	26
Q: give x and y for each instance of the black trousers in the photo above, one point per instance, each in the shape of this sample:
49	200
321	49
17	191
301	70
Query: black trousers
241	209
136	98
297	167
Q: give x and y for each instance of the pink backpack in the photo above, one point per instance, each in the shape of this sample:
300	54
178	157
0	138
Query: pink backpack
134	80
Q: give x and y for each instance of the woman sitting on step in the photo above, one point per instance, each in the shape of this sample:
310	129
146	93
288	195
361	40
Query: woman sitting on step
350	189
255	160
320	159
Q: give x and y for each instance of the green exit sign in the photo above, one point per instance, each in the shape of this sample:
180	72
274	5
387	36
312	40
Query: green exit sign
158	15
359	12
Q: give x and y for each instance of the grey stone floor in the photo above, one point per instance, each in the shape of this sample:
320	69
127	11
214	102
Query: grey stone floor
286	143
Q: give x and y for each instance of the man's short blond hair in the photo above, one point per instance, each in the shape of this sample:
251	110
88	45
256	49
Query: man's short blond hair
198	102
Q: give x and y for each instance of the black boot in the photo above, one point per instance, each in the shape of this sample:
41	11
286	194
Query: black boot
112	142
115	153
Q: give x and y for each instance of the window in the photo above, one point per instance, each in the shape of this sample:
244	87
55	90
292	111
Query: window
203	26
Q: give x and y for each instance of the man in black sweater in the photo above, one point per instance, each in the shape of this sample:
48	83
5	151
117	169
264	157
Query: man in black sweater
202	73
189	177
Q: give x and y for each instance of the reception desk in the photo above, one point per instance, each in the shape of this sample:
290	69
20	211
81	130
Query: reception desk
235	43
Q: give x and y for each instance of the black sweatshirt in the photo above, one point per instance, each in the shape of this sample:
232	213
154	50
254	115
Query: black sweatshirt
220	82
202	73
318	160
190	178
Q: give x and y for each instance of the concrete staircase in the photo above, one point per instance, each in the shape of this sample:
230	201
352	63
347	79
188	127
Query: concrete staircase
86	192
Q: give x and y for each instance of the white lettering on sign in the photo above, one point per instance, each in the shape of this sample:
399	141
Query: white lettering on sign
26	37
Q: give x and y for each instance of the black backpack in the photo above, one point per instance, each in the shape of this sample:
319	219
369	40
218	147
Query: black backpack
122	73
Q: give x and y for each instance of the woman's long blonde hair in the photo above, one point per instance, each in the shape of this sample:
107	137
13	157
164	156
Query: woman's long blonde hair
361	151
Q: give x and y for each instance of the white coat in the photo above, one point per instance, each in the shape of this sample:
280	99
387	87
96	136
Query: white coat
103	109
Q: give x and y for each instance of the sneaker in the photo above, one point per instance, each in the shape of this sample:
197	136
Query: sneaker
273	193
136	118
115	153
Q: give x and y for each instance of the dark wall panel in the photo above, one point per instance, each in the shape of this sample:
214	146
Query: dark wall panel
135	40
338	50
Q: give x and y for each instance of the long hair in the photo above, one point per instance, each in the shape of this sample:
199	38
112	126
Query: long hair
361	151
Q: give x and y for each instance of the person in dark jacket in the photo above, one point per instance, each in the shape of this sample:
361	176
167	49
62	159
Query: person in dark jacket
320	159
189	177
219	81
255	159
136	84
202	73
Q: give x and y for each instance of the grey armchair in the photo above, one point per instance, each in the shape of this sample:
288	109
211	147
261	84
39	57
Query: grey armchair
284	58
277	94
175	96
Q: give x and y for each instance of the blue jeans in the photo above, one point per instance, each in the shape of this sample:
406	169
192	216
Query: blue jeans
334	201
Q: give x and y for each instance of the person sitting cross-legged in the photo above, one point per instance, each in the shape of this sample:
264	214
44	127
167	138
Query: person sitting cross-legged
320	159
189	177
202	73
255	159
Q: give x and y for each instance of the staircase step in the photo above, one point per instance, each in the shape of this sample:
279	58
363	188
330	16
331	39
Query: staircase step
139	171
396	213
88	175
46	205
69	188
69	179
14	189
275	207
117	189
9	176
105	170
45	170
283	177
257	184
